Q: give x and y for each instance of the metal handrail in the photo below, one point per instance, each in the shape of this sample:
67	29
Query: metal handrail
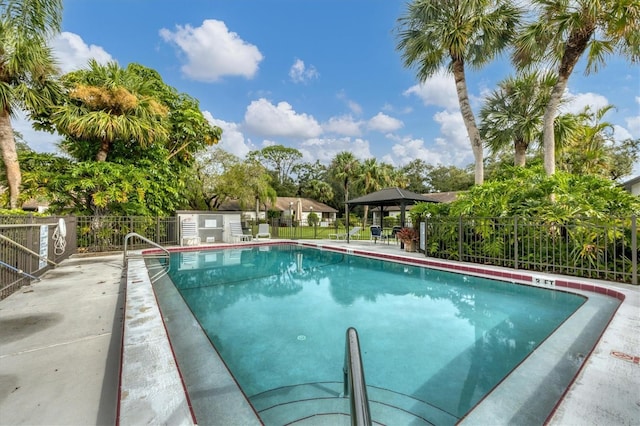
19	271
146	240
21	247
354	384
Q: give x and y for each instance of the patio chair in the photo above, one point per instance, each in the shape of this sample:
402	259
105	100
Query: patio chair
263	231
376	234
353	234
188	233
236	233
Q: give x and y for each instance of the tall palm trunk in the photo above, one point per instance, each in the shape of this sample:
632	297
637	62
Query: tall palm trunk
574	48
550	113
469	120
10	158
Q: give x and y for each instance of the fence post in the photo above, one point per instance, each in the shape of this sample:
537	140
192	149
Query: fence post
634	250
460	238
515	242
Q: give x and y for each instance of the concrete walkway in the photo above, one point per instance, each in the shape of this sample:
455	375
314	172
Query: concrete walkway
60	345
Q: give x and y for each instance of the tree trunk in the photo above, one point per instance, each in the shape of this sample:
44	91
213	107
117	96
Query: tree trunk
366	213
576	45
469	120
103	152
549	143
10	158
520	153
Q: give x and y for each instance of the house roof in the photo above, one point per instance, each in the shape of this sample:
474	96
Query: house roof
629	183
390	197
443	197
282	204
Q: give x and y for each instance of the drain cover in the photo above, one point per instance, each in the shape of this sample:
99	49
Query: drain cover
302	337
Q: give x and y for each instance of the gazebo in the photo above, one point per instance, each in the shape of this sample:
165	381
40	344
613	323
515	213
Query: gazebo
389	197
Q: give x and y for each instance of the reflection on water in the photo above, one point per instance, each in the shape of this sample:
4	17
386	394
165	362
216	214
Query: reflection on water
442	338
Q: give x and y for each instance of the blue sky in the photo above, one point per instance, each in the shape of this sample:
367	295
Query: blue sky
322	76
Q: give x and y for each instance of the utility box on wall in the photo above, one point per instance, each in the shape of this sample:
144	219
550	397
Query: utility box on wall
210	227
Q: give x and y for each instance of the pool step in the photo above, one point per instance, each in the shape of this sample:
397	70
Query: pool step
320	404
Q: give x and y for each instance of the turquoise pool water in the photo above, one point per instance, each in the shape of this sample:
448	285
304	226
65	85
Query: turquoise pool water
277	315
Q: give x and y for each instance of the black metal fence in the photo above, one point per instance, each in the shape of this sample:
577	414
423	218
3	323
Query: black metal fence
583	248
30	246
106	233
580	247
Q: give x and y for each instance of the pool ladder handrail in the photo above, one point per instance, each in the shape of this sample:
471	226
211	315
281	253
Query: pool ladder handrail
165	255
355	385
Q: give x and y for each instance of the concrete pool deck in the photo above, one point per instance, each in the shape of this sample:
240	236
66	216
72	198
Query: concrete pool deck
61	339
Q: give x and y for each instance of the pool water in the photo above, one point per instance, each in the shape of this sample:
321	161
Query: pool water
278	314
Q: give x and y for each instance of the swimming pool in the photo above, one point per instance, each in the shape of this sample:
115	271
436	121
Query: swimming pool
433	343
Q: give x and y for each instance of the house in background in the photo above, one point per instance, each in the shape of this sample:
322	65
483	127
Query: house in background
632	186
290	209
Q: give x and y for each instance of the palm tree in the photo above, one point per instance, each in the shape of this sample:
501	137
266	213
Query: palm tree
108	104
590	152
437	34
373	177
512	114
346	167
563	32
27	71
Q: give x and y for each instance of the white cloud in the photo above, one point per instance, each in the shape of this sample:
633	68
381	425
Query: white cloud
324	150
577	103
343	125
454	141
354	107
72	53
384	123
267	119
212	51
299	73
439	90
407	149
232	138
633	125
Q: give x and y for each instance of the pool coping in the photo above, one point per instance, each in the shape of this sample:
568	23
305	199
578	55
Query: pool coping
147	349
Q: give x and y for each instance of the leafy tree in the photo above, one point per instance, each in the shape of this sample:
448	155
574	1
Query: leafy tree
27	71
372	177
210	166
107	104
565	30
526	192
146	188
451	34
319	190
593	149
416	173
146	130
623	156
278	158
345	167
512	114
449	178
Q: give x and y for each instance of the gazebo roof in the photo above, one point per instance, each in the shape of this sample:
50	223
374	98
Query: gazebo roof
390	197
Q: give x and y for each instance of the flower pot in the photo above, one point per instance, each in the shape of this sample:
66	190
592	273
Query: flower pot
410	246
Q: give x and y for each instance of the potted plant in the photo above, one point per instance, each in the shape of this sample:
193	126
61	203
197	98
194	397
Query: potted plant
409	236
